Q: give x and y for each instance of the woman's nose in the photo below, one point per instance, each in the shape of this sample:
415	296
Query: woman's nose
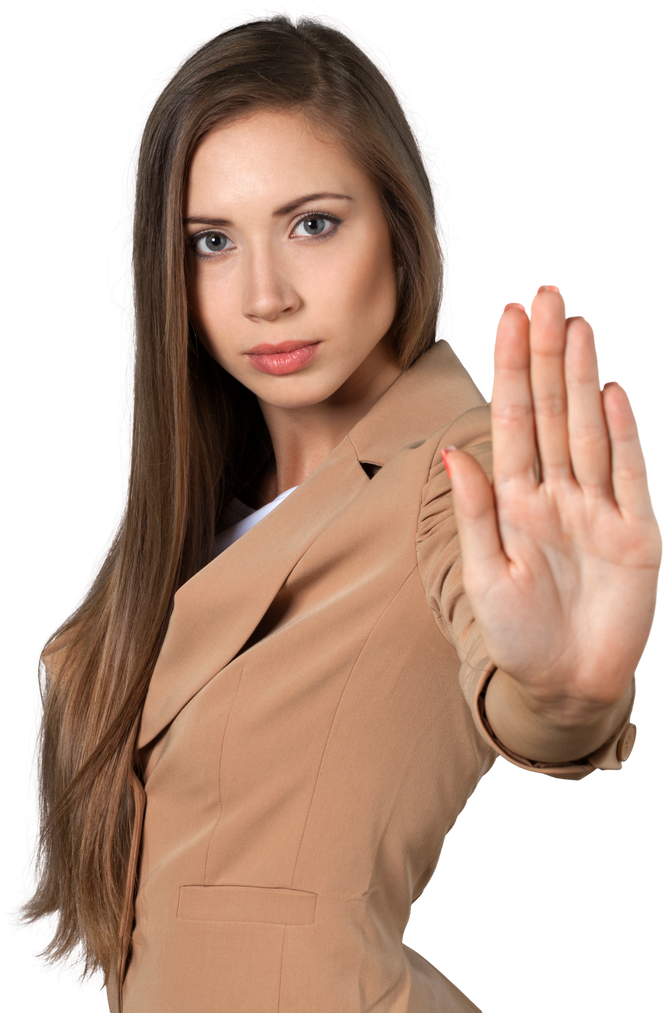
268	292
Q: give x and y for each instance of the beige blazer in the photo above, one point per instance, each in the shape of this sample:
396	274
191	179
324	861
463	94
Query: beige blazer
312	730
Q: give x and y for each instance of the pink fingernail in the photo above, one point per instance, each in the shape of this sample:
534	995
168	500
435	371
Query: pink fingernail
444	453
549	288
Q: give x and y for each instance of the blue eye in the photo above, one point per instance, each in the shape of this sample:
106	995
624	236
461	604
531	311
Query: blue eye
314	225
211	242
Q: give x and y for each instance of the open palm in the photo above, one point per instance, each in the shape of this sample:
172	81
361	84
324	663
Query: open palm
560	556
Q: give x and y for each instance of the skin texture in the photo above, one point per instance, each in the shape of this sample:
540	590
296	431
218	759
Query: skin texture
273	283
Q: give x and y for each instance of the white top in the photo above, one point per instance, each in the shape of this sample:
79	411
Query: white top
240	518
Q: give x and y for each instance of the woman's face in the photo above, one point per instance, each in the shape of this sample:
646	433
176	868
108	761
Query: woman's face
291	284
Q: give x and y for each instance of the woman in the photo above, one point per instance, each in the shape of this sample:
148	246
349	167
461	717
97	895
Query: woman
243	794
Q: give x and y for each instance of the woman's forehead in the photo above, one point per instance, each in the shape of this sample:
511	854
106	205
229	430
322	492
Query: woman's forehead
289	125
271	157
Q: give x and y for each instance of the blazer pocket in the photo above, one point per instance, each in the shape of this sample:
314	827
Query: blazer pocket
269	905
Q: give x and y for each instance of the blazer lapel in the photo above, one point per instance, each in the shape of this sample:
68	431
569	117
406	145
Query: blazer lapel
216	611
430	395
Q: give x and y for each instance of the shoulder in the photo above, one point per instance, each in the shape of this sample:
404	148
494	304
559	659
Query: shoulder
470	432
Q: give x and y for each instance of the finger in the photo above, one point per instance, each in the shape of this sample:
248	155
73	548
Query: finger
514	443
629	475
589	442
547	345
474	508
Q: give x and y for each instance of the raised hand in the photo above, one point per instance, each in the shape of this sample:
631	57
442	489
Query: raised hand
560	556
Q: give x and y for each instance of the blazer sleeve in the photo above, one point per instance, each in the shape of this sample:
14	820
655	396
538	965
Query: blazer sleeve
440	567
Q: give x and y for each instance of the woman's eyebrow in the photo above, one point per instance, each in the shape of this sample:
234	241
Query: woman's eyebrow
221	223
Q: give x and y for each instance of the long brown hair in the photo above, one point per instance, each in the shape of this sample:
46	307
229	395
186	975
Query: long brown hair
198	439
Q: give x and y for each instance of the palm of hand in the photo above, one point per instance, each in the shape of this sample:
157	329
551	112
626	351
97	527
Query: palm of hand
560	557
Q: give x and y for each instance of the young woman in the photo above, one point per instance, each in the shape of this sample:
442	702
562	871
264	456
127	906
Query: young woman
287	678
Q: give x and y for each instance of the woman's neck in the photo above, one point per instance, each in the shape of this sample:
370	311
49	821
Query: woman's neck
303	437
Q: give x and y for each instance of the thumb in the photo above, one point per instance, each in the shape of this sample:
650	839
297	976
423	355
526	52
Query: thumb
474	507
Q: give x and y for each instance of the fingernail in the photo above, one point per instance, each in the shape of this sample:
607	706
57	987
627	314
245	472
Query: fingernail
444	453
514	306
549	288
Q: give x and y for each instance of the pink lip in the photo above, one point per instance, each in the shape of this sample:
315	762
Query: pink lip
287	357
273	349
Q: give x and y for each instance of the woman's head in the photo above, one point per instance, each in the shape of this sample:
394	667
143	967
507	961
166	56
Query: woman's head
318	73
288	251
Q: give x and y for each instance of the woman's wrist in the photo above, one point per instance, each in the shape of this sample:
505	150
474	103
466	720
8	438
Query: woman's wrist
554	733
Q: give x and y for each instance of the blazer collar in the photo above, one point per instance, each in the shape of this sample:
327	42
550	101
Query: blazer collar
216	611
427	396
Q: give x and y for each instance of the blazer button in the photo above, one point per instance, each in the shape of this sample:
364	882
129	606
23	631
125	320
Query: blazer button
625	744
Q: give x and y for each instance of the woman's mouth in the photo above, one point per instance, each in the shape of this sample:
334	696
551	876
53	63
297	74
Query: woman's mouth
287	357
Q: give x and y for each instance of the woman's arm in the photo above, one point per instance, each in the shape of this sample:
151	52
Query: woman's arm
561	555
